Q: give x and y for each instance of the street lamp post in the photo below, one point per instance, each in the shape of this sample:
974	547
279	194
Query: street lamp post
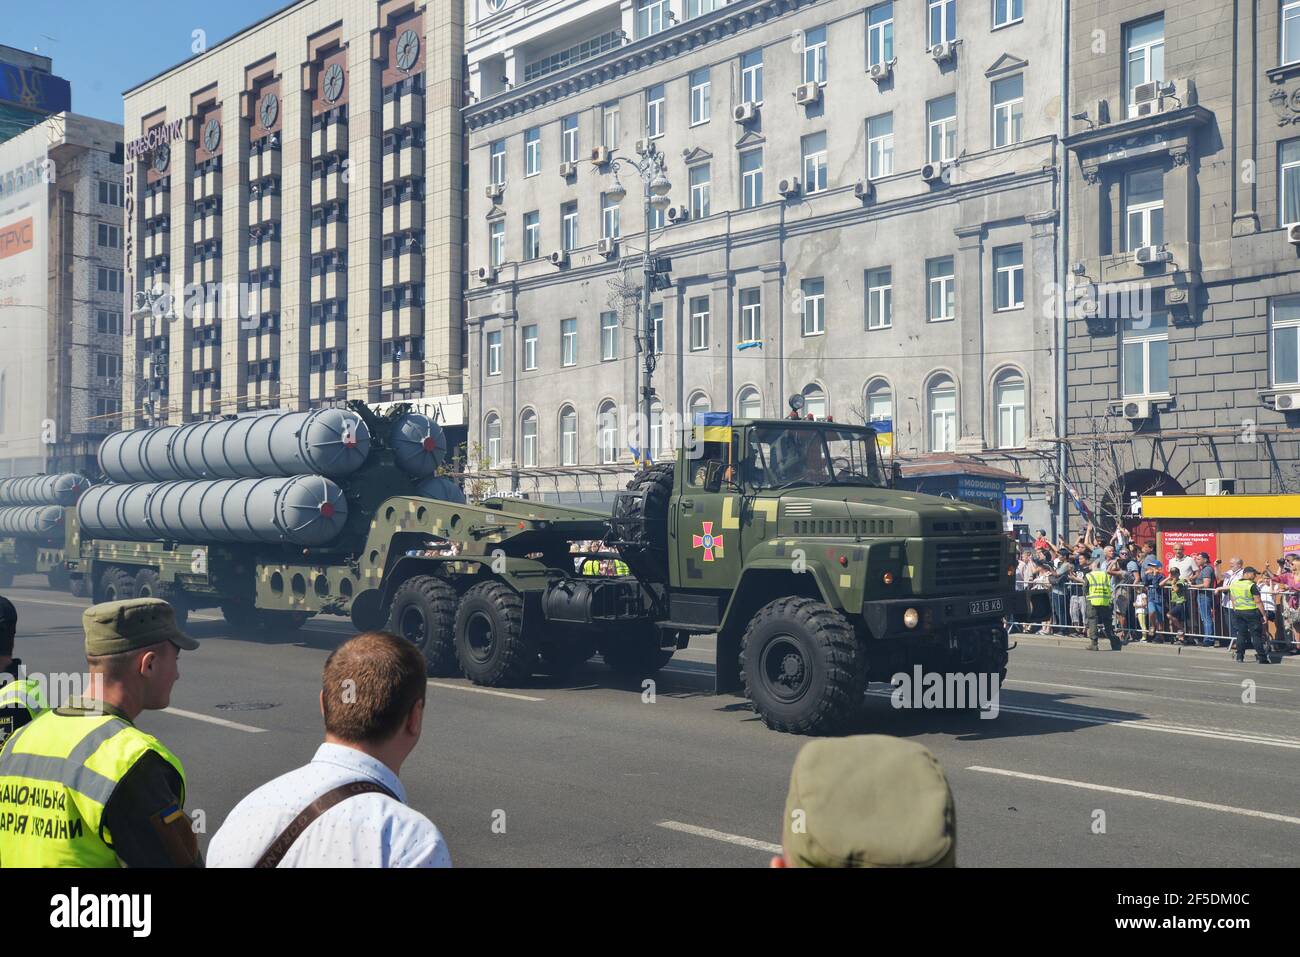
650	165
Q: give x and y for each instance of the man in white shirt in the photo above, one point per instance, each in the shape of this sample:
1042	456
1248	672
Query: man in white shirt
346	808
1185	564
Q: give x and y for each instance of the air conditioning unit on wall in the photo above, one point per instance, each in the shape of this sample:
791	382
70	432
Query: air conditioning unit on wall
1220	486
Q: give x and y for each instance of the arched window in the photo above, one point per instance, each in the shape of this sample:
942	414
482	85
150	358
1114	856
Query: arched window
656	428
528	438
568	436
941	407
699	403
879	401
749	405
1009	400
492	433
607	424
814	402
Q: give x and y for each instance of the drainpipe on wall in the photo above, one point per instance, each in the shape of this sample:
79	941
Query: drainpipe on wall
1062	271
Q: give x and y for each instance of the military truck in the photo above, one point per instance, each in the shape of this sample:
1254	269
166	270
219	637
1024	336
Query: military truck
34	513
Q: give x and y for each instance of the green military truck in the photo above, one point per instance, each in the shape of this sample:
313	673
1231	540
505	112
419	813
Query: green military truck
28	556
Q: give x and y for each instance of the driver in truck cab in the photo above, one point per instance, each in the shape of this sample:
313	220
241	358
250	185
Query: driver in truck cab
714	459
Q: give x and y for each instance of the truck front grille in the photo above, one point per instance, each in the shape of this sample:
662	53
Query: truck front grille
843	526
968	563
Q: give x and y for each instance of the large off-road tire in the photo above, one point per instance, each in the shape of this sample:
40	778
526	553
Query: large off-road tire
802	667
649	562
562	656
79	587
148	584
634	654
116	584
423	611
58	578
492	644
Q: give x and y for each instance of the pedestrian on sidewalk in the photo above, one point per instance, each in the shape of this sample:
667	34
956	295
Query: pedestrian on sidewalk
1248	616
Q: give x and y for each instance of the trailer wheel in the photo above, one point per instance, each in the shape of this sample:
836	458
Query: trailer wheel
423	612
58	578
77	587
802	667
148	584
116	584
492	644
635	655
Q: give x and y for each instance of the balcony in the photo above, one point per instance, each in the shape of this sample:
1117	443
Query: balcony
326	236
207	184
263	254
586	50
330	285
330	138
268	299
264	164
157	203
328	188
156	244
264	208
403	268
404	215
404	163
405	110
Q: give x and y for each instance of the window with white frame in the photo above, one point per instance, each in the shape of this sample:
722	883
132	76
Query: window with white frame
656	428
108	321
1288	157
814	162
532	151
1144	208
1284	320
108	236
751	178
608	336
943	21
496	243
751	314
814	307
492	430
654	111
530	348
610	128
652	16
941	406
880	34
494	353
699	323
941	282
814	402
751	77
108	366
1008	110
528	438
1144	356
701	94
497	162
1144	60
607	425
1290	31
568	436
1006	12
569	226
568	342
110	194
569	139
1008	277
698	405
880	402
700	190
657	325
609	217
108	280
532	235
941	114
658	217
1009	401
696	8
880	298
880	146
749	404
814	56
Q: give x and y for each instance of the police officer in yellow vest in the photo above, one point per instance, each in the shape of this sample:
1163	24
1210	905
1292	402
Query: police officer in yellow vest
21	698
81	786
1098	609
1248	616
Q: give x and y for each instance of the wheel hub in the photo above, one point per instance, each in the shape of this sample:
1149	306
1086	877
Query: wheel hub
784	669
413	627
478	632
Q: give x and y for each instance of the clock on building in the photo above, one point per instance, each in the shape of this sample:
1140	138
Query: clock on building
161	157
268	110
408	49
333	83
211	135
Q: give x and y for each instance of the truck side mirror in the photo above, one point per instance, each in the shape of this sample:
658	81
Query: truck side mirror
713	478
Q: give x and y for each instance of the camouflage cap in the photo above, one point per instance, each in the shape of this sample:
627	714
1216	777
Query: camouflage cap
117	626
869	801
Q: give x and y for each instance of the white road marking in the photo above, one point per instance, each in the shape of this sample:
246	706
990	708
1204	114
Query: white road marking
491	691
44	601
1203	681
1106	691
209	719
1128	792
723	836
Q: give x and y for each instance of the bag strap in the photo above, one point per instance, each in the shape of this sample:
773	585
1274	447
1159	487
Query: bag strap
280	846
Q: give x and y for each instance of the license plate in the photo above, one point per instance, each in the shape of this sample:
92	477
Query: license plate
986	606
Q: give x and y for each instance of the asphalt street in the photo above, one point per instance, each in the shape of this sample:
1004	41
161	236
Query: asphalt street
1147	756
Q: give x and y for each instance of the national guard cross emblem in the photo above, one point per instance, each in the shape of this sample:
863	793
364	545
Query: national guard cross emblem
708	541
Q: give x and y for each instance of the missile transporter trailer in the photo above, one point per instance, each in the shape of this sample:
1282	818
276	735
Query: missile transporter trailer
34	518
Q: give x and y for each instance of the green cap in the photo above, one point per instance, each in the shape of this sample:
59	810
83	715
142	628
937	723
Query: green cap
117	626
869	801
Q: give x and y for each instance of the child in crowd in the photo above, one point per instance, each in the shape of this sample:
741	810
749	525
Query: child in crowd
1155	601
1140	610
1177	605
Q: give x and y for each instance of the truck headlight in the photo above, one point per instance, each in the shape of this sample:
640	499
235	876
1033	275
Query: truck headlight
911	618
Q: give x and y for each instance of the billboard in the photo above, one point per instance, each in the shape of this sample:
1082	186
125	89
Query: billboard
1194	541
24	242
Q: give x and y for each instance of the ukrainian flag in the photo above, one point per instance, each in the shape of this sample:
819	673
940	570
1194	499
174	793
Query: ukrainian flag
713	426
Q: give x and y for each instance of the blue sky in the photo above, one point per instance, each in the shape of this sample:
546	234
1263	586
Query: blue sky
104	46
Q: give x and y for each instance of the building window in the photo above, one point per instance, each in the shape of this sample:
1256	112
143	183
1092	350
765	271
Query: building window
1144	61
496	243
1009	399
109	237
108	366
651	17
1144	359
532	235
610	129
880	298
814	402
568	342
494	353
497	162
607	425
657	326
528	438
108	280
698	405
941	403
1008	110
1006	12
751	315
654	111
880	402
751	178
530	348
701	92
699	323
1285	351
814	162
568	436
656	428
569	139
108	322
749	405
880	34
942	289
751	77
1144	209
814	56
492	430
814	307
700	191
110	194
942	117
608	336
943	21
609	217
697	8
1289	177
532	151
880	146
1008	278
569	226
1290	31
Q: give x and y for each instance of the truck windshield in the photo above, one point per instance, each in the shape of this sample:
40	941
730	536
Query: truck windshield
783	456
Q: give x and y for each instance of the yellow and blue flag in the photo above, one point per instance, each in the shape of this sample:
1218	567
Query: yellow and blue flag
713	426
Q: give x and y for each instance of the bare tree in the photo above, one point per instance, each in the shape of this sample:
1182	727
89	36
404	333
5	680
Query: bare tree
1100	474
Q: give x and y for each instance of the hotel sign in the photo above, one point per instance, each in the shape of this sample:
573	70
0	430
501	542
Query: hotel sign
156	137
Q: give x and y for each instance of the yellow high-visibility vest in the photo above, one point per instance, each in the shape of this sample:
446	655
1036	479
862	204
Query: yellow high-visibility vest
25	693
1098	587
1242	599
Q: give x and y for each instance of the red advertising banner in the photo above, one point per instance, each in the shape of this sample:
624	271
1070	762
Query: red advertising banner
15	238
1193	541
